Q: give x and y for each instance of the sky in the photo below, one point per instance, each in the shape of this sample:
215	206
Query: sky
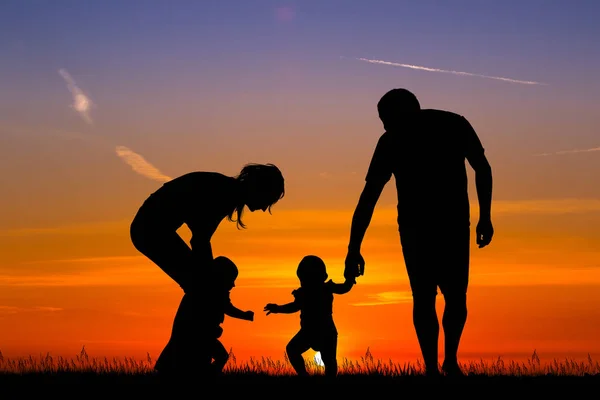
103	101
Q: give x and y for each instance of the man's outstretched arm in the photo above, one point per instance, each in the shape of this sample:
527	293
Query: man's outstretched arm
360	222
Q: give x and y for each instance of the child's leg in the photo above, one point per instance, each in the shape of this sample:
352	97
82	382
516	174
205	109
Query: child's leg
329	355
294	349
220	356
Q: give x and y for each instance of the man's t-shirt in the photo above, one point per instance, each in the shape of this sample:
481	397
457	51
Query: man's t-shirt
426	155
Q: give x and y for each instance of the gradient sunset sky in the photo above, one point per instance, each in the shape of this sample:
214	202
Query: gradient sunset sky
102	101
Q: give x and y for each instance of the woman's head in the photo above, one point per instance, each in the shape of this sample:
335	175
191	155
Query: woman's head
311	270
395	104
262	186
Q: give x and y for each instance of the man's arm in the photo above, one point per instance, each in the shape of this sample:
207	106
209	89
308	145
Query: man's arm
483	184
378	174
235	312
363	213
354	263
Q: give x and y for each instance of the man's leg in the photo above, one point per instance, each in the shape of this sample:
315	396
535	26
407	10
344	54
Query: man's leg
424	292
294	349
427	328
454	280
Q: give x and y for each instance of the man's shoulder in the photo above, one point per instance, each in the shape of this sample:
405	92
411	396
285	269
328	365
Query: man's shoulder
441	114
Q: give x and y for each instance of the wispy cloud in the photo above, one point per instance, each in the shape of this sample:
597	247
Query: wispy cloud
140	165
383	298
546	206
445	71
16	310
557	153
81	102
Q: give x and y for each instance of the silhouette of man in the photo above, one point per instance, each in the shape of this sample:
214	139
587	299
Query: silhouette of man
425	150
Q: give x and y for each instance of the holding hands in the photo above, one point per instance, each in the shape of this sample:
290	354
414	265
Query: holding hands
354	266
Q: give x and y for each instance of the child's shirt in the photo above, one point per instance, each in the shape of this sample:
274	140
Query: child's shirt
316	305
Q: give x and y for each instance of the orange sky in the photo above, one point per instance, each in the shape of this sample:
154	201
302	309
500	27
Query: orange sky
530	290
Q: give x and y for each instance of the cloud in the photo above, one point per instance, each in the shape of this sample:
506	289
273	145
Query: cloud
16	310
428	69
383	298
81	103
556	153
140	165
546	207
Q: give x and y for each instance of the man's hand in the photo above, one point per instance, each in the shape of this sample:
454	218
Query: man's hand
354	266
484	232
271	308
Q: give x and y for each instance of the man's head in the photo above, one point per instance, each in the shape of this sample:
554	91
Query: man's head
394	105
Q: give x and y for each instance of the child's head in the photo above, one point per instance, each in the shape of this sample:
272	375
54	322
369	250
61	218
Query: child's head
311	270
227	270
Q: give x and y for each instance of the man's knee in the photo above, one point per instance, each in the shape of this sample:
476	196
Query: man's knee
424	298
455	297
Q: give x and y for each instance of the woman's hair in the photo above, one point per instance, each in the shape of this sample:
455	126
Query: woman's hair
312	269
265	178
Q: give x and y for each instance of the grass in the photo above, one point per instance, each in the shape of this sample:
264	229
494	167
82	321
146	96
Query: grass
83	369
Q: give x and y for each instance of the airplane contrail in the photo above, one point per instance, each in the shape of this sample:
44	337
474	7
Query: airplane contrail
140	165
556	153
81	103
428	69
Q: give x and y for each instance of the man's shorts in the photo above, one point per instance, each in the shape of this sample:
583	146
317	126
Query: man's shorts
437	259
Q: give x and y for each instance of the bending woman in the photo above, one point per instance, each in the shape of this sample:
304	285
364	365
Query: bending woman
201	200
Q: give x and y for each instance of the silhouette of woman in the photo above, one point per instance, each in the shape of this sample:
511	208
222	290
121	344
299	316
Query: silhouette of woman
201	200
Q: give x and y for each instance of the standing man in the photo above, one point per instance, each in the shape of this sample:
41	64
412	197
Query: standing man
425	150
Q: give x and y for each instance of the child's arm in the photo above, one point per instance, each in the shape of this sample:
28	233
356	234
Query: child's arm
342	288
288	308
235	312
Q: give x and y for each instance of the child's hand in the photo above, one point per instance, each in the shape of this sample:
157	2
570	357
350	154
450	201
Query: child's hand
271	308
250	315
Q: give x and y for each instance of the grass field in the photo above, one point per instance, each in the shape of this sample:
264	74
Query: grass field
82	369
